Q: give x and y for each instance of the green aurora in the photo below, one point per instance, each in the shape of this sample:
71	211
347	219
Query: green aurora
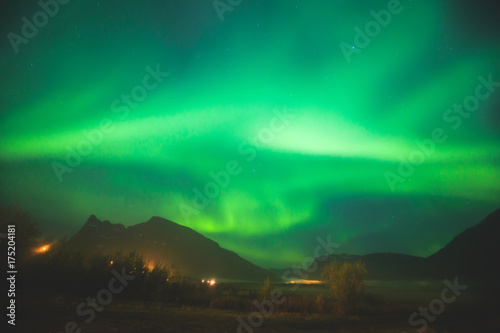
313	135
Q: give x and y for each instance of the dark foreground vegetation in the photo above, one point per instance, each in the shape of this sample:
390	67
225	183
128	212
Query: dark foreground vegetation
63	272
59	290
59	270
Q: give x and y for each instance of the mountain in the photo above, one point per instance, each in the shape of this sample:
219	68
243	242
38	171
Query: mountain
379	265
165	242
473	255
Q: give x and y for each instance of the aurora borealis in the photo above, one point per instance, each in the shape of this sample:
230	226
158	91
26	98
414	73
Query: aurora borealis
267	97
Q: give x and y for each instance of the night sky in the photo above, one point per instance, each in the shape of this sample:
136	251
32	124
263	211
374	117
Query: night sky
130	109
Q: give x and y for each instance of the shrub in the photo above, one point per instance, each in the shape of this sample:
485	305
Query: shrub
265	289
345	280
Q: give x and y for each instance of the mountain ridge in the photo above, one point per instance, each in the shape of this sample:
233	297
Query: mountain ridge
473	254
162	241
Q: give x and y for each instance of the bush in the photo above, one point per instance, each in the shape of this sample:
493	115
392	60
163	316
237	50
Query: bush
265	289
346	281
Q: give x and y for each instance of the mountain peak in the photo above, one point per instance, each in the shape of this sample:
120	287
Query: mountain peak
94	223
160	224
165	242
158	219
93	220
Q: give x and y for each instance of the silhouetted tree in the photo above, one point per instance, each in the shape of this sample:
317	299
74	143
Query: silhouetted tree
265	289
26	230
345	280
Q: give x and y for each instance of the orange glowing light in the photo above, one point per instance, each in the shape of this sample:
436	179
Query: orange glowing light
212	282
111	262
151	266
301	281
43	248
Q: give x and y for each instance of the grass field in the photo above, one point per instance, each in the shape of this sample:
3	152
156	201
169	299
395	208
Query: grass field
471	312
